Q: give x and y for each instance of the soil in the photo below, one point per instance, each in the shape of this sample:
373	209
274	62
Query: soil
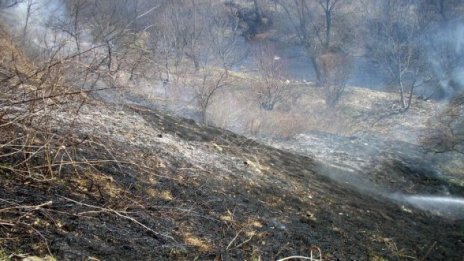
151	186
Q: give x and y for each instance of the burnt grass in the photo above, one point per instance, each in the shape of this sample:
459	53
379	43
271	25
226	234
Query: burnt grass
132	202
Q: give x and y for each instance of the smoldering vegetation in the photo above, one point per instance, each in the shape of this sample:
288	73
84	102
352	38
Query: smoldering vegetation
371	90
265	69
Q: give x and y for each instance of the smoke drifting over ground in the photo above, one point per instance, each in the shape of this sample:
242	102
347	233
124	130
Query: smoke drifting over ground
445	49
325	137
446	206
181	74
46	28
34	20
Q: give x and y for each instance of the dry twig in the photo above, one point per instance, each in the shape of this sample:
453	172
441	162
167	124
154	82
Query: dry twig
120	214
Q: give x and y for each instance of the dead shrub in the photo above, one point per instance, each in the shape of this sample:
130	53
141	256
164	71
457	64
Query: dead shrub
447	129
334	71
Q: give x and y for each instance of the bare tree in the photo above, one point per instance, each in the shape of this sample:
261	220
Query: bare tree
224	36
74	23
4	4
210	83
177	35
183	27
324	32
220	51
328	7
29	4
433	11
166	44
317	31
272	85
334	69
394	44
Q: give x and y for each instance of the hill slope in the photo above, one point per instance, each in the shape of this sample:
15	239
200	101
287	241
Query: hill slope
145	185
85	180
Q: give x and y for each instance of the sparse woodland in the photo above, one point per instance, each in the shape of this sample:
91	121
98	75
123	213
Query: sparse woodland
206	59
82	153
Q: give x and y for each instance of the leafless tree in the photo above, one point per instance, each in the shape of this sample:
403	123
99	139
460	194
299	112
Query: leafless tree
210	83
183	29
166	46
440	10
316	25
4	4
220	51
224	36
394	44
328	7
321	28
29	4
273	79
74	23
176	36
334	71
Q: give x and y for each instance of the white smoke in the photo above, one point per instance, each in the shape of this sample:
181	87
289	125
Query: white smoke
445	51
38	24
446	206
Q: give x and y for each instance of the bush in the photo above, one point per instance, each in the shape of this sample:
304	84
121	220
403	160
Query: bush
447	130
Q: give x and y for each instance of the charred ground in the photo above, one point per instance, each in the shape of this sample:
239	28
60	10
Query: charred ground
174	190
81	179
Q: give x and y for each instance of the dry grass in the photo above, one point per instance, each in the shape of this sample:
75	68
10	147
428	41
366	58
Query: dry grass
446	128
39	154
302	110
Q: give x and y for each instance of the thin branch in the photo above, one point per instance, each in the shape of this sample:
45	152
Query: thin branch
233	239
119	214
37	207
61	95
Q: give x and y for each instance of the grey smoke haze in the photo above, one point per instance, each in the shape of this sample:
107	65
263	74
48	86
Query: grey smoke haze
43	25
445	52
41	14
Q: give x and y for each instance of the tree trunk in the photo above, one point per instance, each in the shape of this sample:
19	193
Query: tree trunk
408	105
317	70
328	19
403	102
257	10
26	24
110	55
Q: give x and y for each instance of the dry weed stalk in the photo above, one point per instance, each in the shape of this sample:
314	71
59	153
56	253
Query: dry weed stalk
38	151
121	214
